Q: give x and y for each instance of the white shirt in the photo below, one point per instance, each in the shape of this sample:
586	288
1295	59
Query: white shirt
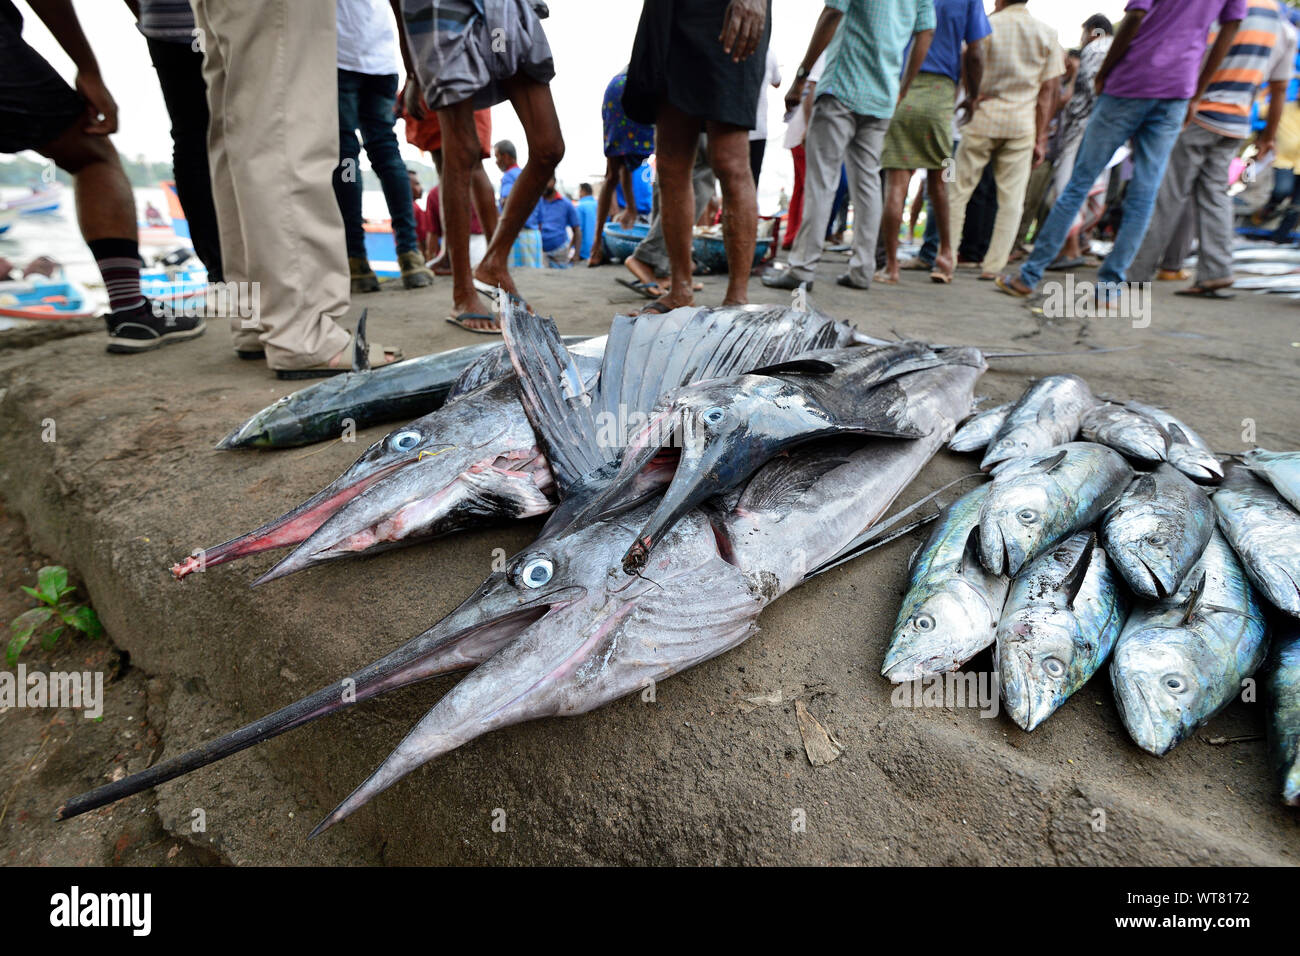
771	77
367	38
796	125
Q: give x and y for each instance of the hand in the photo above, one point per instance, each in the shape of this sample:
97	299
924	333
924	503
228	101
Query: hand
1099	82
794	96
412	101
742	28
1263	146
99	103
1192	106
1040	152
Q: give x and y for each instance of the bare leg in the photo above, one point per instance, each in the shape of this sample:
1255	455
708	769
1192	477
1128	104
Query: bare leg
483	197
460	154
896	181
943	260
603	202
105	203
729	157
536	110
629	208
676	137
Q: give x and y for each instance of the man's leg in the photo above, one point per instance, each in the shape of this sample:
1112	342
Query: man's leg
460	154
676	142
483	197
604	199
536	111
1171	203
1112	122
729	157
1180	243
629	210
347	174
973	155
937	202
862	161
1153	140
1012	165
1214	205
180	75
829	131
895	198
795	214
375	101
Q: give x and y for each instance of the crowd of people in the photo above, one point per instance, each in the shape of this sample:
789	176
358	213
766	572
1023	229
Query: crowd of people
1016	137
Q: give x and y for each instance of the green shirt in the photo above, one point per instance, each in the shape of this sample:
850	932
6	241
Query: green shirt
864	62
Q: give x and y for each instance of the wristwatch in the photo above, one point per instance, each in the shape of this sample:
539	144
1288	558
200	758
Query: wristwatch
801	73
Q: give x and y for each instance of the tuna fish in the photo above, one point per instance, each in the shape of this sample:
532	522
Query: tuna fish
1284	709
1280	468
1133	434
1157	530
1265	532
1046	415
978	430
1187	450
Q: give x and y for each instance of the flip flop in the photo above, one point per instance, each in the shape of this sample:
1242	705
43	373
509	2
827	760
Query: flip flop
882	278
1065	265
644	289
938	275
657	307
461	321
490	290
1005	286
988	276
1202	292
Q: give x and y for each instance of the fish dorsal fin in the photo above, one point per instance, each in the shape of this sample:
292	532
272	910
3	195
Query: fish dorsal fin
1073	580
1047	464
1194	600
360	348
970	554
1176	435
784	480
797	367
558	404
1047	413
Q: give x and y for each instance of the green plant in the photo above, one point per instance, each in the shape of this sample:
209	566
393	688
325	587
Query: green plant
52	590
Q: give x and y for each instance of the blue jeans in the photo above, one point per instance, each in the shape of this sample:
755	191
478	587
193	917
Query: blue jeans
366	104
1153	126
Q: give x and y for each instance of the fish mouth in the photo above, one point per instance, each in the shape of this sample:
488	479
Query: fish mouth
478	628
1141	719
1151	582
1028	702
411	505
1201	467
1000	553
998	452
291	528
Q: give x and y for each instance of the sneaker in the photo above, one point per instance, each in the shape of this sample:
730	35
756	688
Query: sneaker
363	277
785	279
148	327
415	274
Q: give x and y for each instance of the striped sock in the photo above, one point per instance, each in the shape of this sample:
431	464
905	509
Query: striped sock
119	265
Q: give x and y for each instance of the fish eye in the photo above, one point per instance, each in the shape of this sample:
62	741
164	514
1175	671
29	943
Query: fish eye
1054	667
405	441
1157	540
1026	515
1174	683
713	416
536	571
923	622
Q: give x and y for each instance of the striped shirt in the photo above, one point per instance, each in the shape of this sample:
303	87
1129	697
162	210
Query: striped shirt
170	20
864	61
1263	51
1019	57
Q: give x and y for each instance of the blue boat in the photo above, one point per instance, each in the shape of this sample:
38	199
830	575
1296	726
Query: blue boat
175	286
42	298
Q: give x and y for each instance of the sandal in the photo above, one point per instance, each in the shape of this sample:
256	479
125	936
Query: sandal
493	291
462	321
1004	285
1207	292
938	275
378	357
648	290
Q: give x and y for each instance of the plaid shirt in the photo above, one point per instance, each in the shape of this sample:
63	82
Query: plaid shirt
1021	55
864	61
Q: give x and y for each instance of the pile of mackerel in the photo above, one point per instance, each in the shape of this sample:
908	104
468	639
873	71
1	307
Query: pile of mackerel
697	465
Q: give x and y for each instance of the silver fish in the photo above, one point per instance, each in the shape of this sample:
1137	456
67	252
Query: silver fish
1035	502
561	630
1281	468
978	430
1187	451
950	612
1046	415
1284	709
1127	431
1156	531
1265	532
1179	662
1062	618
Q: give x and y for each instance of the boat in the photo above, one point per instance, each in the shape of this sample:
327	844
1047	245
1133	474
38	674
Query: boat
42	298
7	217
175	286
42	199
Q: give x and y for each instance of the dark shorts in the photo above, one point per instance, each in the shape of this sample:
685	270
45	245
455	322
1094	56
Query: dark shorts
677	58
36	105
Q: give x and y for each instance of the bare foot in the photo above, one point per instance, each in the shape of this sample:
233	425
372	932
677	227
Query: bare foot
597	257
627	220
666	303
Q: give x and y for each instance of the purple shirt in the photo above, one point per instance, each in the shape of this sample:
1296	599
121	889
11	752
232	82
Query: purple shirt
1164	60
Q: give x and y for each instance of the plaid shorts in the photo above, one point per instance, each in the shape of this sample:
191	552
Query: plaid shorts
526	253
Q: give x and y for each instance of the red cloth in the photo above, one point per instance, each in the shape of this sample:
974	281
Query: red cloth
434	212
795	214
427	133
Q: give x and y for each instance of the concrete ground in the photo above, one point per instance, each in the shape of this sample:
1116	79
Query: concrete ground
713	771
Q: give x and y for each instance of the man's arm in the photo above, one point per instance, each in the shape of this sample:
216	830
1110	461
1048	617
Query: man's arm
61	20
1128	29
1267	137
972	71
1044	110
920	47
408	97
1227	33
134	6
827	23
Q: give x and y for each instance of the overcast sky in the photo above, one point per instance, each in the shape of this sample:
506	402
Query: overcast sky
591	41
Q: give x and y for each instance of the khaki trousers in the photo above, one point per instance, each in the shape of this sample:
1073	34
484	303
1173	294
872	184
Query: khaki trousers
1012	159
271	71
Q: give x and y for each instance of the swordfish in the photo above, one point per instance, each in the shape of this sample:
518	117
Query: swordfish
476	459
561	630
